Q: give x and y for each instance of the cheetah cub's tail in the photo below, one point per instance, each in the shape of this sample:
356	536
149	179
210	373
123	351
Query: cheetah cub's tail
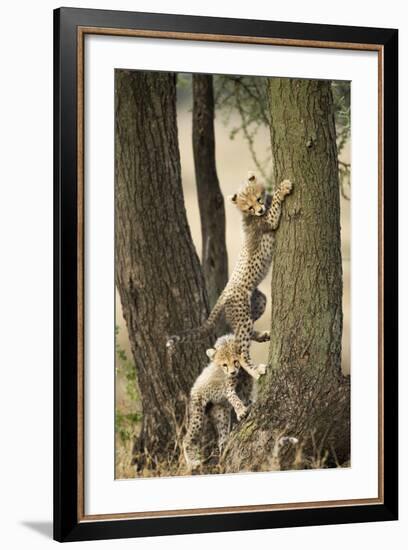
199	333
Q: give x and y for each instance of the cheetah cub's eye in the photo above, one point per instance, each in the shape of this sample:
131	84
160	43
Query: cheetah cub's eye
225	365
259	199
251	209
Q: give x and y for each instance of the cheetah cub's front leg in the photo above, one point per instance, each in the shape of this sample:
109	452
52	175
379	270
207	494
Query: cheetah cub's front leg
240	409
274	213
285	188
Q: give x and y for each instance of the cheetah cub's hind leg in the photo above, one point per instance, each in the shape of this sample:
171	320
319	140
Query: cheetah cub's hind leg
244	335
239	315
261	337
191	443
220	416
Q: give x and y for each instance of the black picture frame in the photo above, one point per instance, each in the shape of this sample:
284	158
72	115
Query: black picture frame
67	523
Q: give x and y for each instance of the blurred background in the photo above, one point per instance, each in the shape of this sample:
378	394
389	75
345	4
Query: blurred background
235	157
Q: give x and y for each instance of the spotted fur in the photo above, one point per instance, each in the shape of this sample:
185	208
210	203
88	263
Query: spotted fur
216	386
241	301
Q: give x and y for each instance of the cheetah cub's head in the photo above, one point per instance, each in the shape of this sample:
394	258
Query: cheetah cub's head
225	355
250	199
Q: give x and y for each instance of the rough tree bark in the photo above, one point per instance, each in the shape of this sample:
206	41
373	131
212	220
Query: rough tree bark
158	273
302	394
211	201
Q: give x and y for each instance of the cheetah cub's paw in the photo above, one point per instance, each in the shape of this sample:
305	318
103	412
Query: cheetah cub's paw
242	413
258	371
285	188
192	457
261	369
264	336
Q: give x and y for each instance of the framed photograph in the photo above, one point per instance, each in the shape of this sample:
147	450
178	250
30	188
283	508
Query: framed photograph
225	274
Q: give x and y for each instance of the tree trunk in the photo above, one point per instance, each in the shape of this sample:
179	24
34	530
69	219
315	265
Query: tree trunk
211	201
158	273
302	395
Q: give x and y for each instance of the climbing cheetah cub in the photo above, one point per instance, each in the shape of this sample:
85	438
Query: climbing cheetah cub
216	386
241	301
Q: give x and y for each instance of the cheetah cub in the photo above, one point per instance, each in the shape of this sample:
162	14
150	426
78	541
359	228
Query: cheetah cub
241	301
216	386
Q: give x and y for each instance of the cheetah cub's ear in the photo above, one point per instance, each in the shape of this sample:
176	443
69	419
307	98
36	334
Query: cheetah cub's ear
210	353
233	198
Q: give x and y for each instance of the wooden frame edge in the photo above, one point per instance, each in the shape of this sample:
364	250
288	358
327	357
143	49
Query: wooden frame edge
191	512
380	275
80	271
205	37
